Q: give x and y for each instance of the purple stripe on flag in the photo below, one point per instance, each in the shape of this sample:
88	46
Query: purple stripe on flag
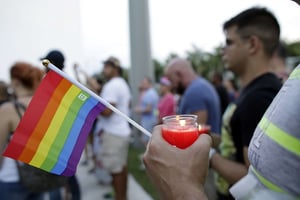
81	141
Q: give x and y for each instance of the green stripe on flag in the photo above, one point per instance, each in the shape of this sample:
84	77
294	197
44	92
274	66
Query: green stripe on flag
64	130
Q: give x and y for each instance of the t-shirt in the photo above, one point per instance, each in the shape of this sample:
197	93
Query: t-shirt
149	98
224	97
116	91
201	95
241	118
254	100
274	151
166	105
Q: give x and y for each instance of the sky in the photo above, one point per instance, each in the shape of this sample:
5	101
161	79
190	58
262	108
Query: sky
89	31
175	25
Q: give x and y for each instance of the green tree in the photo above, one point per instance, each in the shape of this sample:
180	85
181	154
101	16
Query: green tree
293	49
205	62
158	69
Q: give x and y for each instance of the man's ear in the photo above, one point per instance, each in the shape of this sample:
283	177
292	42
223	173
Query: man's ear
254	44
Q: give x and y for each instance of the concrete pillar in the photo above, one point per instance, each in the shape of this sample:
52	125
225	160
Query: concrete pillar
140	48
140	52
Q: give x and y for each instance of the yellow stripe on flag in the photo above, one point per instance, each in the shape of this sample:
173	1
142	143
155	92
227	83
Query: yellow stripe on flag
54	126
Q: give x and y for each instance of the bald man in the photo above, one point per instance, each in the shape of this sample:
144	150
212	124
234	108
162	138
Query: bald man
198	95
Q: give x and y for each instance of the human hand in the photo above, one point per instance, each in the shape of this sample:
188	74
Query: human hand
177	174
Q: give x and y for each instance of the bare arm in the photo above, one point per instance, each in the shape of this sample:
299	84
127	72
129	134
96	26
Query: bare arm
5	128
202	116
230	170
216	140
91	82
107	112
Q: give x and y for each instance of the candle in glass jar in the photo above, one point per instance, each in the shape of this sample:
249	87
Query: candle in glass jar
180	130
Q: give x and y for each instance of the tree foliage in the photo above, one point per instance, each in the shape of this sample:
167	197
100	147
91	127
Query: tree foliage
293	49
206	62
202	62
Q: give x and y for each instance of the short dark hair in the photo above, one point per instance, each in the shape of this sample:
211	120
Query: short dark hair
259	22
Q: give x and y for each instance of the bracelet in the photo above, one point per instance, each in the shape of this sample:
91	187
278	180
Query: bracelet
212	151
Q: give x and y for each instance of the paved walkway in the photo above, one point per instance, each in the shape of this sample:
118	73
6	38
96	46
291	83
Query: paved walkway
92	190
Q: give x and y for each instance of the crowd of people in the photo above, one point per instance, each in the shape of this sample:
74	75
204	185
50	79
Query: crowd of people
254	126
257	156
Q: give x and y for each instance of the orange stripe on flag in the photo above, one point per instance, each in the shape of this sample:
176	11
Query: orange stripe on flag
44	122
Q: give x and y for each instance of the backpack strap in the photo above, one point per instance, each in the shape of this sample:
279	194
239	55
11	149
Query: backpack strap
19	106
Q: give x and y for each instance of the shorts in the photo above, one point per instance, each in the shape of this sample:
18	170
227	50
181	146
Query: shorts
114	151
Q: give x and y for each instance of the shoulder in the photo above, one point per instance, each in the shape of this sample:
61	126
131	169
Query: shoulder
9	111
201	84
7	107
153	92
118	82
151	95
170	96
113	83
267	82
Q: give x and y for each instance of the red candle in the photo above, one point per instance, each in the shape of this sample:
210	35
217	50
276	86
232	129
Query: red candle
180	138
203	129
180	130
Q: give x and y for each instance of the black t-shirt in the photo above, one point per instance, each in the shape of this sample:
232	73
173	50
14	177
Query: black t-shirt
224	97
254	100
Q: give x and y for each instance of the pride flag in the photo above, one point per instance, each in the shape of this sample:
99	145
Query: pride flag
54	129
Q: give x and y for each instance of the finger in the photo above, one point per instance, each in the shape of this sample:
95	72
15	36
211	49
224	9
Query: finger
157	136
204	142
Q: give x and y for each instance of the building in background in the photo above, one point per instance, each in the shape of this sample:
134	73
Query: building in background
29	29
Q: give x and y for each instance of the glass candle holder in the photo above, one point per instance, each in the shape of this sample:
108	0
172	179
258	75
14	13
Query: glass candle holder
180	130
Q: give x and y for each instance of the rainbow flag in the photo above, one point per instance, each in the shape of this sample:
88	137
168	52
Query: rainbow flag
54	129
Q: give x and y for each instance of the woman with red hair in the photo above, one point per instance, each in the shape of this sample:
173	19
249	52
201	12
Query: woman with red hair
24	80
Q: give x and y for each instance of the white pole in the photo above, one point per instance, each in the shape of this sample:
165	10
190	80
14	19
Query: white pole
47	63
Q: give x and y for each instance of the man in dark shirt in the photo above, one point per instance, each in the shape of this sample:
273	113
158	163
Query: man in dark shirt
251	39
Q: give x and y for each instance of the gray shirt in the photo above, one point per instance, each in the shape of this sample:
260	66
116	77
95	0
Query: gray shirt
274	151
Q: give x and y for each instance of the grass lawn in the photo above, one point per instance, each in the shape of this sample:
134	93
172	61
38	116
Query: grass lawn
140	175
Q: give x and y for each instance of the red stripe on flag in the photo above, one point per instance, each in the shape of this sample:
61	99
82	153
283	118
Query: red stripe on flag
32	116
41	127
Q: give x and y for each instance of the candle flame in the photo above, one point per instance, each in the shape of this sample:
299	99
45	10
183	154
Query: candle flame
182	122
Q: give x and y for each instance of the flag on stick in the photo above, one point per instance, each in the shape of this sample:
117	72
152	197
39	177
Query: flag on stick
54	129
